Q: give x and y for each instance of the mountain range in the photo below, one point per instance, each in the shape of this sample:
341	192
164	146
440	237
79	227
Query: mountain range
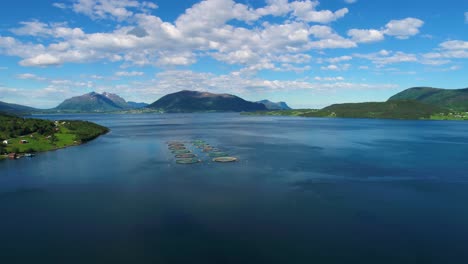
441	100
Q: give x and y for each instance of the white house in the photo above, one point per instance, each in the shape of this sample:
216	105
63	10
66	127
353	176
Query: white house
5	142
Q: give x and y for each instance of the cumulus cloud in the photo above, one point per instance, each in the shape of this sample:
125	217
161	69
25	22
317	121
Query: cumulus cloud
329	79
306	11
30	76
113	9
452	49
404	28
366	35
336	67
385	57
401	29
59	5
202	30
129	74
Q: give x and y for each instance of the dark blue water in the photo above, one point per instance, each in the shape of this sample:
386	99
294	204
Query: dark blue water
303	191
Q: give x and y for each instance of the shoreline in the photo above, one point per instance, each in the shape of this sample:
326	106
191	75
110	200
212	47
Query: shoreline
22	154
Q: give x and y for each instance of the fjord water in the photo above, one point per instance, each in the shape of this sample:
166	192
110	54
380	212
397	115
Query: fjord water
305	190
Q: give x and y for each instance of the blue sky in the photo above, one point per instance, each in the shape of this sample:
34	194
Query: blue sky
307	53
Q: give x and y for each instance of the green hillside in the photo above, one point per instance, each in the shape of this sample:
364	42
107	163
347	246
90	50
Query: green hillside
404	109
454	99
44	135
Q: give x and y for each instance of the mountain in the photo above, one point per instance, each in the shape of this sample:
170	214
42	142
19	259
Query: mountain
274	106
192	101
95	102
136	105
395	109
15	109
119	101
405	109
454	99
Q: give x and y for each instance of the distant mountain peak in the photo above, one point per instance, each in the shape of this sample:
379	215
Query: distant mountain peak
198	101
274	106
95	102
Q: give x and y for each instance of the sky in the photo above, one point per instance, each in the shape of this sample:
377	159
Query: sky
308	53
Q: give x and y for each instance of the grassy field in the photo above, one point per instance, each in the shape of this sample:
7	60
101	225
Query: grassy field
38	143
43	135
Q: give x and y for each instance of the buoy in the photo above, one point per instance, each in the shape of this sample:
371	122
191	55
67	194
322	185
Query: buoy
181	151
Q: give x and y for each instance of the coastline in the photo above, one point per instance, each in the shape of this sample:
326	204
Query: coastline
22	154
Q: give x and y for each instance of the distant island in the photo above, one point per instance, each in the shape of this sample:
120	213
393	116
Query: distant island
20	136
413	103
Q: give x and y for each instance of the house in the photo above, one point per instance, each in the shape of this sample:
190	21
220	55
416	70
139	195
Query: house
12	156
5	142
23	141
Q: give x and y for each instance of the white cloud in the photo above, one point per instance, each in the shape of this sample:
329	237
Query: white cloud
275	8
56	30
403	28
329	79
306	11
454	45
385	57
110	9
41	60
30	76
452	49
365	35
129	74
60	5
202	30
336	67
466	17
336	59
350	1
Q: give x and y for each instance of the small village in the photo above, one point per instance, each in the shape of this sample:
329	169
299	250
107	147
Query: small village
28	145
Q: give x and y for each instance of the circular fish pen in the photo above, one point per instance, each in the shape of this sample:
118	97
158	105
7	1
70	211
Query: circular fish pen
177	147
175	143
181	151
187	161
185	156
225	159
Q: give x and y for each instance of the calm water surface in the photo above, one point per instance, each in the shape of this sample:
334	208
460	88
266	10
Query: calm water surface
303	191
